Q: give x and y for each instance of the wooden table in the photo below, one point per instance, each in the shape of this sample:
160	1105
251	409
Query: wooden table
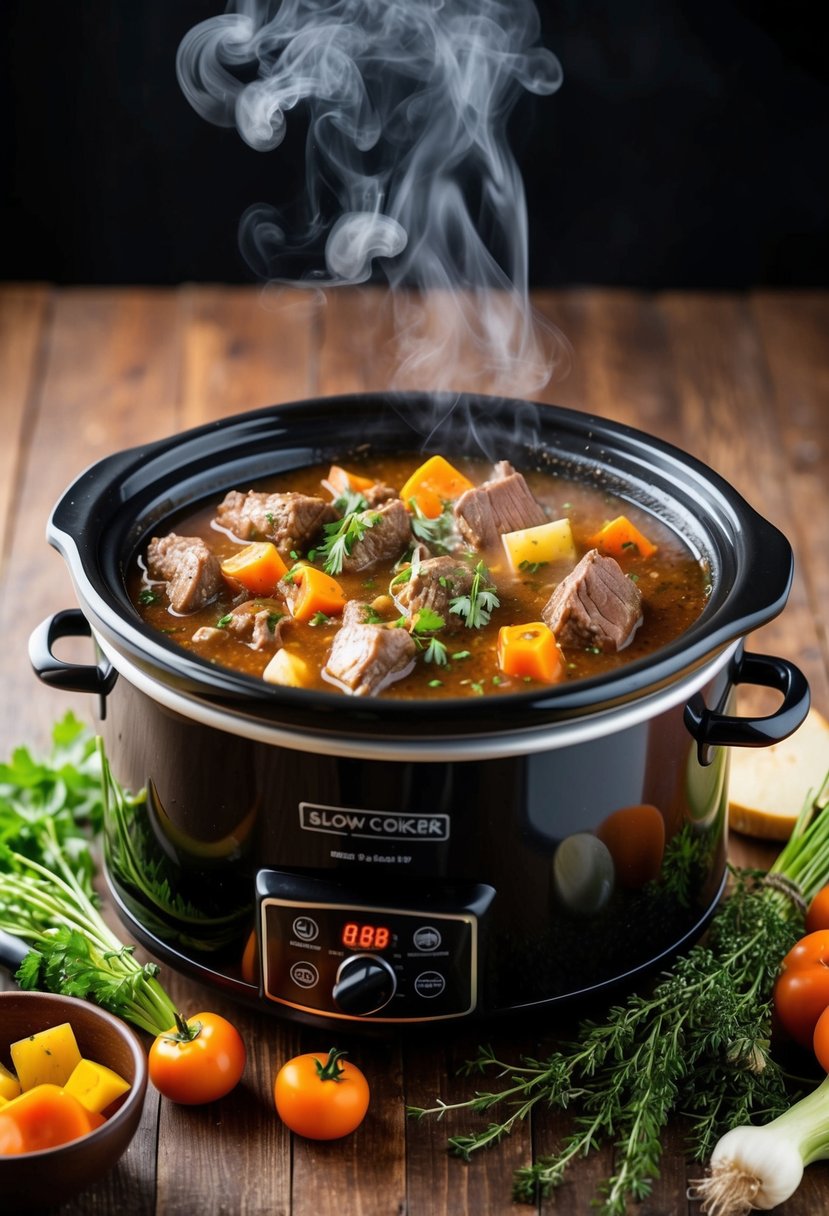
740	381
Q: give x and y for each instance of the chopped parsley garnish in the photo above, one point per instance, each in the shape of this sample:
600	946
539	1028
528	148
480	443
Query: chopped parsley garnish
435	653
350	502
148	596
371	616
462	654
531	567
273	620
432	531
320	618
436	683
224	621
340	538
477	607
428	622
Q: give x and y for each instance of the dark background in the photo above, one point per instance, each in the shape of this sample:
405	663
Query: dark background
687	147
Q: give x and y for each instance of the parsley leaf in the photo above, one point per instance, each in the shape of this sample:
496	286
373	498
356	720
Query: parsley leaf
477	607
340	538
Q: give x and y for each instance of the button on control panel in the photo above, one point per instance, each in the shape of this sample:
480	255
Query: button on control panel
328	952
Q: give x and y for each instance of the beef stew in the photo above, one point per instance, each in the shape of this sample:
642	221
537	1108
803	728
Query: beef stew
411	579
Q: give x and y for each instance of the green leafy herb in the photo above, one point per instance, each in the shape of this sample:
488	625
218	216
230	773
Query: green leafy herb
148	596
340	538
436	653
462	654
320	618
432	532
273	620
46	894
531	567
145	870
477	607
224	621
371	616
697	1043
350	502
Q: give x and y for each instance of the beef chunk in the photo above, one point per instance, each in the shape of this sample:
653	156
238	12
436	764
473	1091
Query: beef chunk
290	520
192	572
258	623
433	585
595	605
502	504
389	535
365	658
379	493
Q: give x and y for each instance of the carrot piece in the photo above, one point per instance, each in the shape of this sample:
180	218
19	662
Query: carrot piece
343	481
529	650
433	484
620	538
258	567
43	1117
318	592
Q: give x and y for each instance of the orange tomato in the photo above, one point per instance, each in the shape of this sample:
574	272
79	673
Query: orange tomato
801	992
321	1097
820	1040
43	1117
817	916
197	1061
635	838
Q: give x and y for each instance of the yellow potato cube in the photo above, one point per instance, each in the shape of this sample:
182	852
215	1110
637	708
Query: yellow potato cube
287	669
95	1085
47	1057
9	1084
529	547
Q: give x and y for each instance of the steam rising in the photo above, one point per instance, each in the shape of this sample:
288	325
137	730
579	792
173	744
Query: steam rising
408	168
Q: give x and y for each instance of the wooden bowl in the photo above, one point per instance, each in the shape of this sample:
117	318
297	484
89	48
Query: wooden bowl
49	1177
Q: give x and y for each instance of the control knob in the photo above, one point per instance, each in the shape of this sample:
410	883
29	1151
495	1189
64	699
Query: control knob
364	984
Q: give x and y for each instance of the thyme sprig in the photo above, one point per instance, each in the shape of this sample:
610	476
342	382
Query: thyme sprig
696	1045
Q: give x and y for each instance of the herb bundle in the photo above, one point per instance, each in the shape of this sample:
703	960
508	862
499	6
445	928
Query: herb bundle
46	894
696	1045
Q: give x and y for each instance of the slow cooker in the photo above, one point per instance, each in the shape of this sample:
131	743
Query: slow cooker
338	859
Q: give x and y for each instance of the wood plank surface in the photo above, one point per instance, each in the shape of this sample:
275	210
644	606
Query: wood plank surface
741	382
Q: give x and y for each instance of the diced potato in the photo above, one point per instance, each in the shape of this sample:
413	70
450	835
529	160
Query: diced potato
552	542
94	1085
287	669
48	1057
9	1084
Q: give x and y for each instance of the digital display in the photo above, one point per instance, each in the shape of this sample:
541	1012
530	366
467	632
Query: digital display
365	937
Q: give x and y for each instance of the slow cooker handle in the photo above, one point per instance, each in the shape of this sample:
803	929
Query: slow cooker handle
71	677
711	729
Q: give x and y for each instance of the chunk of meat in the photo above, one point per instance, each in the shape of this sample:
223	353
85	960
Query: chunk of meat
433	585
505	503
379	493
191	571
385	540
260	624
364	657
290	520
595	605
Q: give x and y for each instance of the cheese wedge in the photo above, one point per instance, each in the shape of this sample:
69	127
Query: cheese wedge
769	785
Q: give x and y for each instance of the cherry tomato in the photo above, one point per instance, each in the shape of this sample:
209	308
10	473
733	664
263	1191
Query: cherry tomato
817	916
802	990
820	1040
319	1097
198	1060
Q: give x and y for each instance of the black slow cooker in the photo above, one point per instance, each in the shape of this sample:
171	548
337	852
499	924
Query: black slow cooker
335	858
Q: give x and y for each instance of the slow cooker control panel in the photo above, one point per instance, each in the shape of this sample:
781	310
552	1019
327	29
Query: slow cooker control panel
326	950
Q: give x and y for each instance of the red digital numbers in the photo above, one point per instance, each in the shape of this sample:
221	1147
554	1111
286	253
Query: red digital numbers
365	937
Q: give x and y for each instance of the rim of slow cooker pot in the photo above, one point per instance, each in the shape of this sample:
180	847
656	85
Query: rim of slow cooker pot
108	512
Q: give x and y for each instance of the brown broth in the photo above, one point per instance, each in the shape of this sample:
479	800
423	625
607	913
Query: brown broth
674	585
